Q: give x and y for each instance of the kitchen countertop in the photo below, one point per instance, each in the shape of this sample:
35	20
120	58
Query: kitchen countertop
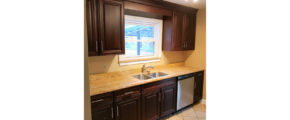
111	81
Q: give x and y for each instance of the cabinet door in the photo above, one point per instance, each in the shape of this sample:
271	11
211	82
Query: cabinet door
129	109
151	106
102	113
111	19
168	102
198	88
178	42
92	32
190	32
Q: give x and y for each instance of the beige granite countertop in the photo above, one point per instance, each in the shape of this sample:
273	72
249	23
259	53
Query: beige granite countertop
111	81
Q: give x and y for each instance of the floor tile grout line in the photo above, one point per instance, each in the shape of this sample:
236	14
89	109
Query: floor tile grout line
196	110
195	113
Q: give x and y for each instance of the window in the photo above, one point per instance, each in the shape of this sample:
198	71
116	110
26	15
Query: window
143	37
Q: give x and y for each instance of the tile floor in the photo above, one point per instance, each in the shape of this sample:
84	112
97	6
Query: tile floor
197	112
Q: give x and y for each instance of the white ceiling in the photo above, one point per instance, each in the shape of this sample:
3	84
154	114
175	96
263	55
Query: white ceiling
190	3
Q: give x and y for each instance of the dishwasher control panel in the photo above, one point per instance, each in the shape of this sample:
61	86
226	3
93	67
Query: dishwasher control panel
185	76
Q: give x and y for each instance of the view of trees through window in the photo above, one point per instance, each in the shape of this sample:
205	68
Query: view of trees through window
143	46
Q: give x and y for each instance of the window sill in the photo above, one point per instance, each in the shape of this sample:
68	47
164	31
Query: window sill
139	62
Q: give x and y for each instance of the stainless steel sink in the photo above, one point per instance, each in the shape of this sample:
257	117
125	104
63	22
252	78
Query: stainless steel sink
142	77
158	74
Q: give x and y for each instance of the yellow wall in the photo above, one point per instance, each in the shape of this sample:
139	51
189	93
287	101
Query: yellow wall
197	58
87	103
96	63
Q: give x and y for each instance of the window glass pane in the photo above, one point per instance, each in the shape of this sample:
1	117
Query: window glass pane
139	32
139	49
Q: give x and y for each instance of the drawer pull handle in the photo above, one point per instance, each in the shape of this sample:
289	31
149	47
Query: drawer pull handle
102	46
129	92
97	100
96	46
112	112
199	74
117	111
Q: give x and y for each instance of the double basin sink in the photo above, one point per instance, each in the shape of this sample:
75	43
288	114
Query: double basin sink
150	76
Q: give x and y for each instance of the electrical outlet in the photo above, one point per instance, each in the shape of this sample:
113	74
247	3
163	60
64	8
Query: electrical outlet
105	66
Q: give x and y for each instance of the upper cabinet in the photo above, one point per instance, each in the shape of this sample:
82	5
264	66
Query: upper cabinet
111	17
105	21
190	27
105	24
92	31
178	36
179	32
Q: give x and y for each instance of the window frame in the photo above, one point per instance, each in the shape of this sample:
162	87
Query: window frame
158	26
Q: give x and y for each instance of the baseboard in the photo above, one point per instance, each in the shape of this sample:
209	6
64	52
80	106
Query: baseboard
203	101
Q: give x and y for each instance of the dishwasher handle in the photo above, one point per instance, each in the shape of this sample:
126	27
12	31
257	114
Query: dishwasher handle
185	76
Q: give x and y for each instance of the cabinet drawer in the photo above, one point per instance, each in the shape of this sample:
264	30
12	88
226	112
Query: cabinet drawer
199	74
102	99
127	93
168	81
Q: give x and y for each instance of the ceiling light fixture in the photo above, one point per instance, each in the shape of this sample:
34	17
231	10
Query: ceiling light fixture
195	0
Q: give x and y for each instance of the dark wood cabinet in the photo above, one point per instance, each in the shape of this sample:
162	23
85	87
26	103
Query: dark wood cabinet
179	32
158	99
168	102
190	31
103	113
92	31
102	107
178	36
105	27
151	105
128	104
111	27
198	86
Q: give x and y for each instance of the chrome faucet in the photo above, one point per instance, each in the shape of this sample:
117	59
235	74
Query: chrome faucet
144	69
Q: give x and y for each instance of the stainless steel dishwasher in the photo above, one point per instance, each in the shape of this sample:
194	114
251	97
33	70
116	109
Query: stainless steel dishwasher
185	90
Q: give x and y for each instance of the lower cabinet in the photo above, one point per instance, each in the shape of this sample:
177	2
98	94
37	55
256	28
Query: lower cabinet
103	113
102	106
146	102
151	105
168	102
198	86
158	99
128	104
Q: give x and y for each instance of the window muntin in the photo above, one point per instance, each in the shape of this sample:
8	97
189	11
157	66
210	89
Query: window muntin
143	37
